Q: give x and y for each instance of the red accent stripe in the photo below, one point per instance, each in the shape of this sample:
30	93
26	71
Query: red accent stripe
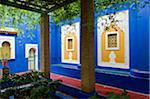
100	88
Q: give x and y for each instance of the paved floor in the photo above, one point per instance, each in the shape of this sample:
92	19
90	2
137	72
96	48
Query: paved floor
100	88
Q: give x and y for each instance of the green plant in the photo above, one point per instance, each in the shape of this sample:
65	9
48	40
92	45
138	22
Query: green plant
14	17
39	86
39	89
71	11
66	13
24	78
7	93
123	95
5	79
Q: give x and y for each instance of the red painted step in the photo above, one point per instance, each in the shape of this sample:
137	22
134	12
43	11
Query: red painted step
100	88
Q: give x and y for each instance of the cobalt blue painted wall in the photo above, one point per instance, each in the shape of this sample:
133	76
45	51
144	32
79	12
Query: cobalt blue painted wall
55	43
139	47
139	40
20	63
55	32
139	53
138	74
142	40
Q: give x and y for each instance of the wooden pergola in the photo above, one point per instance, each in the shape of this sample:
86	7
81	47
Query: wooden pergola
87	35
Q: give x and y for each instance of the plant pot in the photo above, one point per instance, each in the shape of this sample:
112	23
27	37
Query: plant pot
4	62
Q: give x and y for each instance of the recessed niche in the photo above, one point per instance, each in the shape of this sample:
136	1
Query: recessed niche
70	45
7	47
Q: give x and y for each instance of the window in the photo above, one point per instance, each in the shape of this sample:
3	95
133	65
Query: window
112	41
70	44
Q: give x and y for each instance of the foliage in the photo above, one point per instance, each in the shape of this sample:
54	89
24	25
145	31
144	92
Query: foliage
69	12
123	95
66	13
44	89
39	87
22	79
13	17
102	6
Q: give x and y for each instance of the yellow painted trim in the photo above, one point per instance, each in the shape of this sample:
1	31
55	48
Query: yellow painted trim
120	54
75	51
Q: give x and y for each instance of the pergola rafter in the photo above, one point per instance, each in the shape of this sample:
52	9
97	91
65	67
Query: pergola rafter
39	6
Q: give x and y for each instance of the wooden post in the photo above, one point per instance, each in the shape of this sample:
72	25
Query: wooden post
45	45
87	46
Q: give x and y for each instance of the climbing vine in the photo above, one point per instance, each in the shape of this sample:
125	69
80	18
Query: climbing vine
66	13
72	11
13	17
102	6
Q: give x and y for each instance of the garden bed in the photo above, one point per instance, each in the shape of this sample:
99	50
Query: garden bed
29	85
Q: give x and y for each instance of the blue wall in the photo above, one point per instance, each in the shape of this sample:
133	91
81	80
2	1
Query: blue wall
20	63
139	42
55	33
138	36
142	40
139	54
55	43
137	77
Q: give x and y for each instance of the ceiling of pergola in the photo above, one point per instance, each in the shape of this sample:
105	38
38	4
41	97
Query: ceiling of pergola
40	6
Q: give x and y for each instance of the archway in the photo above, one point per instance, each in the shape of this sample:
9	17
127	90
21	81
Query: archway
6	50
32	59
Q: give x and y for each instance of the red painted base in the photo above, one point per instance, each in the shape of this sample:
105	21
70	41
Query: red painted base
100	88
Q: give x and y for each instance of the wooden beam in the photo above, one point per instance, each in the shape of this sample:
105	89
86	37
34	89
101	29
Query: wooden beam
13	4
87	46
45	45
57	6
36	8
29	3
7	32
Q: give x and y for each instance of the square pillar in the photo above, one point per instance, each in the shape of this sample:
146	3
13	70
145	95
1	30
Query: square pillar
45	45
87	46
